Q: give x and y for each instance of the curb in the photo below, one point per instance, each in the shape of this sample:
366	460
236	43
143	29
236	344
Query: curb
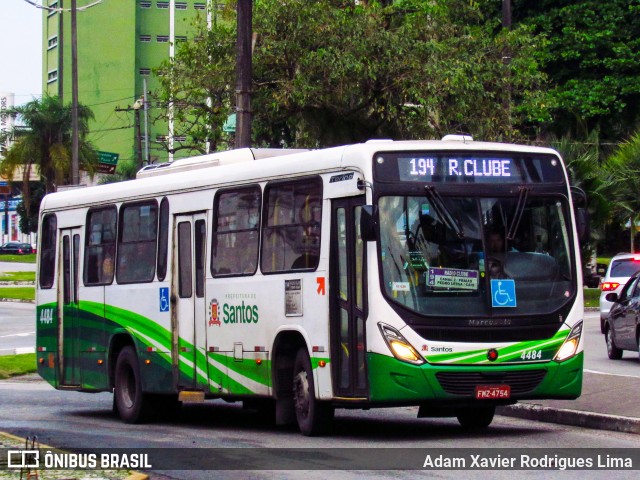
21	441
576	418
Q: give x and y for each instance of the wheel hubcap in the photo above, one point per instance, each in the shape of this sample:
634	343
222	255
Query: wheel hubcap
301	393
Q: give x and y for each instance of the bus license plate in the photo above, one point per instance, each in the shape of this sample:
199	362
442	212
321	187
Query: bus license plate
493	392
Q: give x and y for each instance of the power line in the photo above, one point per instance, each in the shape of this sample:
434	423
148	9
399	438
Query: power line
56	9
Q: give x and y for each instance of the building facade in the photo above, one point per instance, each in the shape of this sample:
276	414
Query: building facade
119	43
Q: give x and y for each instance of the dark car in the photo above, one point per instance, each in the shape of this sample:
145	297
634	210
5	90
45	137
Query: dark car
621	325
16	248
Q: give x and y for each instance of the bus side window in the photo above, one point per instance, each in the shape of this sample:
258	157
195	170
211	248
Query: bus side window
48	251
235	238
137	242
291	225
100	246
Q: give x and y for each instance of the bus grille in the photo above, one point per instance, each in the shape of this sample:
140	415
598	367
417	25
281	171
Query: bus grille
464	383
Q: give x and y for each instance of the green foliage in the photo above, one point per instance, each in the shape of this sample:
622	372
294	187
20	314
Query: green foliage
592	59
30	258
29	217
44	145
329	72
13	365
197	85
18	293
18	276
624	165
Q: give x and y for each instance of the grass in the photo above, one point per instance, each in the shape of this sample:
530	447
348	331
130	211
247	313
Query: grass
18	293
29	258
591	297
13	365
18	277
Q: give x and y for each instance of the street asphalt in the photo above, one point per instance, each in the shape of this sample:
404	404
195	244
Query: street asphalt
608	402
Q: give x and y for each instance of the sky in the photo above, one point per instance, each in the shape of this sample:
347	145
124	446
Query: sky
20	50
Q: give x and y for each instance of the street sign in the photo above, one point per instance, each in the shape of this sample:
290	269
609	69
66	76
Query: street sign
230	124
107	162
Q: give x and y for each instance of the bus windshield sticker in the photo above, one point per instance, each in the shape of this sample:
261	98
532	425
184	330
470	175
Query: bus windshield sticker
503	293
293	298
400	286
452	278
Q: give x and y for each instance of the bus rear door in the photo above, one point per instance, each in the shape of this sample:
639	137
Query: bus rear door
69	325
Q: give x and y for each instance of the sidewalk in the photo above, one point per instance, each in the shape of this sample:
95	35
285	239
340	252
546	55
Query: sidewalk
608	402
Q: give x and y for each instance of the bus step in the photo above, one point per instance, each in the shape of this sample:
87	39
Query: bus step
188	396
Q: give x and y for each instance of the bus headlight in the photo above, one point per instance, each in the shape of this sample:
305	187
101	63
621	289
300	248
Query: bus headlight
399	346
570	345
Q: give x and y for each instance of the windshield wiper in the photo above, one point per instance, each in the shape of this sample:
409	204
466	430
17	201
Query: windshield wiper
443	211
517	215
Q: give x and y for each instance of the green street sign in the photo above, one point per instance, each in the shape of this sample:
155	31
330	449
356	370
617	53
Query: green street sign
107	162
230	124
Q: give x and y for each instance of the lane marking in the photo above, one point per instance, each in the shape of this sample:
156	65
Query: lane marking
18	335
611	374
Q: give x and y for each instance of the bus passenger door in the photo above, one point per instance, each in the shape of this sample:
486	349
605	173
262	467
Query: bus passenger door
69	325
348	302
188	345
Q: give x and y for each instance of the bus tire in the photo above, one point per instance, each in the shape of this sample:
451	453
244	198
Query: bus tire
313	416
131	402
475	418
613	352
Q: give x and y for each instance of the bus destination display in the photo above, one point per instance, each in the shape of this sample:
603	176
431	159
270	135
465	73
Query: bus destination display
424	169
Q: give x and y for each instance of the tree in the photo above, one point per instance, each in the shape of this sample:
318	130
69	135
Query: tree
592	59
334	71
44	142
624	164
197	85
588	173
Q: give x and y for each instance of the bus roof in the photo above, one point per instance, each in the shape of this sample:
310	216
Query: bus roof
226	168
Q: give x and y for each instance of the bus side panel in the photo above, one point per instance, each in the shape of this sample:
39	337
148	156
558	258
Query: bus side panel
47	336
148	327
93	348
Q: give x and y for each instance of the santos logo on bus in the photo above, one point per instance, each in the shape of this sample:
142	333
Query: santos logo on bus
232	313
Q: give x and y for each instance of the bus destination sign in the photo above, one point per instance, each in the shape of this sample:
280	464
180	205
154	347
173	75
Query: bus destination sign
466	167
428	168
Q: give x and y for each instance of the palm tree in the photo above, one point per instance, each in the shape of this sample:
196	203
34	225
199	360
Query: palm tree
44	144
586	172
625	165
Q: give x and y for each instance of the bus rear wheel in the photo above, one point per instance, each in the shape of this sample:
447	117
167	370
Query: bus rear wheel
313	417
131	403
475	418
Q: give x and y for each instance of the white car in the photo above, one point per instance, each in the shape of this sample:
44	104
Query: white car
622	266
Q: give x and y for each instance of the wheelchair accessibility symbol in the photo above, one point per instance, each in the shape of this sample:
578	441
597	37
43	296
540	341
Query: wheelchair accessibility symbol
503	293
164	299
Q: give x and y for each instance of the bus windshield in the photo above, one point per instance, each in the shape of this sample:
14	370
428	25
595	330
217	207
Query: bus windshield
464	256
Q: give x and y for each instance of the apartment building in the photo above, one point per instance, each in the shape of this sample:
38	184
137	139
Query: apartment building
119	43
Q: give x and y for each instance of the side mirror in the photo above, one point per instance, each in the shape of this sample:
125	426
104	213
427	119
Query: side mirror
368	222
582	225
579	198
612	297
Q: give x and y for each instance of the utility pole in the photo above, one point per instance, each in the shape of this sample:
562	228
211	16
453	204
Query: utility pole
506	60
75	164
147	160
136	107
243	74
506	14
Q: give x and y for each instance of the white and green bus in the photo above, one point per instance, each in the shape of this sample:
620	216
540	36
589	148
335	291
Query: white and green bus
439	274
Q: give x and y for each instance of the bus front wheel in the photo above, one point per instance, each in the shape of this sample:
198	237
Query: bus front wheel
130	401
475	418
314	417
